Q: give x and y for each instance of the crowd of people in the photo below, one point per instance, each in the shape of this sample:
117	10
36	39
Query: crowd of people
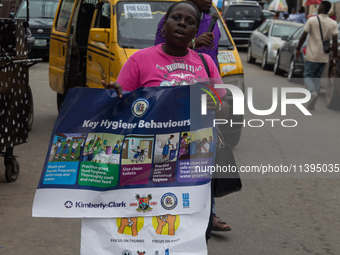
300	16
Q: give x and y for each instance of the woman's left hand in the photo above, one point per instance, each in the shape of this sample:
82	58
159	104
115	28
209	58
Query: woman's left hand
113	85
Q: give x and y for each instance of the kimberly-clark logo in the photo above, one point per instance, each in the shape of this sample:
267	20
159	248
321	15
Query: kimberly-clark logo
239	102
69	204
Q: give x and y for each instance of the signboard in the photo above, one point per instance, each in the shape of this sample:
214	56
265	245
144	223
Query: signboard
111	157
137	11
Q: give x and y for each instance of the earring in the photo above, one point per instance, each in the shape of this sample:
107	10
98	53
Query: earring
162	32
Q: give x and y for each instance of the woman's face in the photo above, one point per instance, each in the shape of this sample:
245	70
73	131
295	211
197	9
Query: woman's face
181	26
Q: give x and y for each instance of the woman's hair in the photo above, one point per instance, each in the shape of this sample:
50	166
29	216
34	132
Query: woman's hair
172	136
185	134
198	14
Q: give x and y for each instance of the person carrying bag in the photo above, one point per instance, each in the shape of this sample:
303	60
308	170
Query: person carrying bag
317	55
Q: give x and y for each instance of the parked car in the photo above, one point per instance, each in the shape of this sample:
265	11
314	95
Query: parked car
266	40
333	87
41	15
242	18
286	62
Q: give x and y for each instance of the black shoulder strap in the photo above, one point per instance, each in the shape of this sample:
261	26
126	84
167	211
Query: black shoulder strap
320	28
205	64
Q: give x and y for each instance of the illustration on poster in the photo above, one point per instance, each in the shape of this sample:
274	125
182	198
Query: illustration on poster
130	226
166	224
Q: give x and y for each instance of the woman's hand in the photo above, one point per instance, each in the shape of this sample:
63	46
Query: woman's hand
221	110
113	85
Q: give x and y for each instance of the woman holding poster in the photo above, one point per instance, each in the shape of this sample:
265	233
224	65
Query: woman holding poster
173	63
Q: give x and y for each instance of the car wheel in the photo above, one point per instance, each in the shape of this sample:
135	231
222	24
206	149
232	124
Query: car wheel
277	70
250	59
291	71
232	138
264	64
332	101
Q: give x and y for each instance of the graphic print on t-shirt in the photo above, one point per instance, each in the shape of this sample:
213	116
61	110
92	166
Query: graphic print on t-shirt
179	73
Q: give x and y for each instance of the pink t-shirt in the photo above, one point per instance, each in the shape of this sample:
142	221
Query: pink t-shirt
151	67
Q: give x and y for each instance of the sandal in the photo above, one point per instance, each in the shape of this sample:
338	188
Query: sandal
219	225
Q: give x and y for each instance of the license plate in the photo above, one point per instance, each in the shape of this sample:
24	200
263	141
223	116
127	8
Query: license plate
40	42
244	24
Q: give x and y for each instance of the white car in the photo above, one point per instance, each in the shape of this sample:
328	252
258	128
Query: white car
266	40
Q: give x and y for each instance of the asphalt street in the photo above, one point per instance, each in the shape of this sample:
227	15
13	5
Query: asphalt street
277	213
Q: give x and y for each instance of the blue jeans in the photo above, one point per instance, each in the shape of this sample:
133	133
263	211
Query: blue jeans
312	75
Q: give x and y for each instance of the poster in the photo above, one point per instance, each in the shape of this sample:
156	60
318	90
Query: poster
158	235
127	157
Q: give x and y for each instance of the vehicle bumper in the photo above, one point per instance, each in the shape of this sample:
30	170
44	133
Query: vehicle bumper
41	44
271	56
240	37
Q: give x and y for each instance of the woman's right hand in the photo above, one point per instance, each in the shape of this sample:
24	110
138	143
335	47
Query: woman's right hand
113	85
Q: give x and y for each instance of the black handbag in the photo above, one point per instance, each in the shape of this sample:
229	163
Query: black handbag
326	44
226	178
223	183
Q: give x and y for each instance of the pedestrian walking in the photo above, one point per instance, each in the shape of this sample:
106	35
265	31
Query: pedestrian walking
301	16
320	28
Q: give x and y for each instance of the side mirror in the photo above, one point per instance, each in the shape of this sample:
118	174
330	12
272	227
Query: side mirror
11	15
285	38
100	35
266	33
